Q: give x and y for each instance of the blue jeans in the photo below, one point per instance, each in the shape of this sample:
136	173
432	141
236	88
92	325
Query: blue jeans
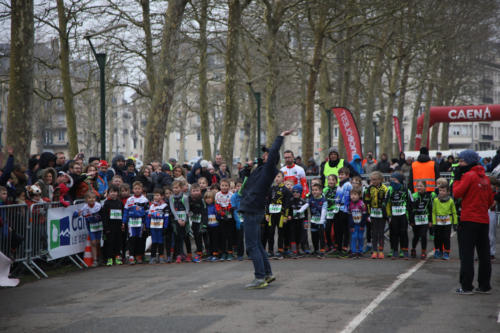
357	239
254	245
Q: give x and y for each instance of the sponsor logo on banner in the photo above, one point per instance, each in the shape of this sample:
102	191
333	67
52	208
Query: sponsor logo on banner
59	234
349	132
470	114
67	234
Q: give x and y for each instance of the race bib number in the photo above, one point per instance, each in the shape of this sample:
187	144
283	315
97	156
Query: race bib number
196	218
357	216
115	214
156	223
443	219
316	219
376	213
135	222
398	210
421	219
274	208
94	227
330	214
181	214
298	214
212	220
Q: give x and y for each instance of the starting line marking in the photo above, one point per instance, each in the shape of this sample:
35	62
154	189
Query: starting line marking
356	321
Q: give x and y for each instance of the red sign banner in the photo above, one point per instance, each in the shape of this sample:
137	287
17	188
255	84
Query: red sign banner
349	132
397	128
450	114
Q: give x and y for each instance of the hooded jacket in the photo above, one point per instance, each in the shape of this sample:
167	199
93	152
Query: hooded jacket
260	180
474	189
356	164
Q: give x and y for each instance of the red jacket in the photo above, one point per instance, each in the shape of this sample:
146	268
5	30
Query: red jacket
474	189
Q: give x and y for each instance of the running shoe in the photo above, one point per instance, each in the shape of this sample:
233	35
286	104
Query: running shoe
381	255
131	260
437	254
118	261
460	291
446	256
109	262
196	259
374	255
178	260
257	284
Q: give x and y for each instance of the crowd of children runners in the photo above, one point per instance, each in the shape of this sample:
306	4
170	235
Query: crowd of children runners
198	220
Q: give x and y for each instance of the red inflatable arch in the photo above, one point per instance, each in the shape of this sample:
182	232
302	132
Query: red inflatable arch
454	114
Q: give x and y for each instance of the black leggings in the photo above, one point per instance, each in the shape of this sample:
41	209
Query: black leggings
199	238
179	238
215	240
135	246
318	237
330	241
341	223
156	247
113	242
442	235
228	235
399	233
420	233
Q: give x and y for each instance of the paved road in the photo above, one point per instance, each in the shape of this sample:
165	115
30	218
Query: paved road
310	295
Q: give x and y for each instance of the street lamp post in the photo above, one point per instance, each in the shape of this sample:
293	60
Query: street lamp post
101	62
329	115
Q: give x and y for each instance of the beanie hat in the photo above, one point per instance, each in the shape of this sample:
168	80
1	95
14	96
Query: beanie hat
297	188
129	162
333	150
204	164
166	167
424	151
103	163
469	156
398	176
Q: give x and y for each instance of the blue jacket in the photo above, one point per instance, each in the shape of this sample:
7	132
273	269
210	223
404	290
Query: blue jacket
356	164
344	195
253	198
102	183
235	205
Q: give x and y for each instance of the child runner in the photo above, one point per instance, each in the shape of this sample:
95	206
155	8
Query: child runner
296	224
357	222
134	216
112	215
179	206
398	203
238	219
341	221
156	223
277	214
213	226
196	208
317	205
91	212
444	216
374	200
330	193
228	228
421	218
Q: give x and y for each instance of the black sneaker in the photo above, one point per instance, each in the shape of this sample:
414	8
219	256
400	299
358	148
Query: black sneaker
460	291
278	256
482	291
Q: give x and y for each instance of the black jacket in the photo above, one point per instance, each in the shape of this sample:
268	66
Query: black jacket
260	180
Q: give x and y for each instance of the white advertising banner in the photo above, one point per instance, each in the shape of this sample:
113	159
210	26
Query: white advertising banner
67	234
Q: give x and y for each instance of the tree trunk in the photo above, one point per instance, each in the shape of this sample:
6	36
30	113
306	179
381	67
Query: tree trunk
387	137
324	105
370	140
231	115
165	84
401	102
66	78
308	129
20	105
148	43
416	108
428	99
205	122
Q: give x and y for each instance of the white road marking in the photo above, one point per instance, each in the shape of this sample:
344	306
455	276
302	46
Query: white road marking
354	323
382	296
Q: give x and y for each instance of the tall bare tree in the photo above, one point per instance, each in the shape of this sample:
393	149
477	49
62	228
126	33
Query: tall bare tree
19	112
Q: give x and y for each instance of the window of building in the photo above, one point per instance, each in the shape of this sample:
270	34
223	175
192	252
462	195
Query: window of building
199	153
47	138
336	132
198	135
62	135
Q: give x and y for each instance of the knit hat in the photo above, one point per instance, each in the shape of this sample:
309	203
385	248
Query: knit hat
204	164
103	163
398	176
166	167
424	151
129	162
333	150
297	188
469	156
92	159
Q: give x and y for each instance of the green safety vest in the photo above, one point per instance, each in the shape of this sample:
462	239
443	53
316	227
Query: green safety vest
453	166
328	170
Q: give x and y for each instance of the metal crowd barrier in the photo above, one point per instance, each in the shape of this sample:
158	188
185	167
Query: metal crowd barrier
14	232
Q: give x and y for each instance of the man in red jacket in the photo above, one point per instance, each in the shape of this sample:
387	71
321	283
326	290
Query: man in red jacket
473	187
